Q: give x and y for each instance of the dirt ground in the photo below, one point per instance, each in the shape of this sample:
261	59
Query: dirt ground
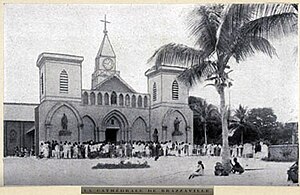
170	171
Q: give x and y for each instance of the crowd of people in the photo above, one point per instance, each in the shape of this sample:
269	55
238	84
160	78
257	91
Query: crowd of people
23	152
91	149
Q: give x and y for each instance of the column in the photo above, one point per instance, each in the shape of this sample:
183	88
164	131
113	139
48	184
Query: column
187	130
102	135
22	134
47	132
80	129
97	134
129	134
164	133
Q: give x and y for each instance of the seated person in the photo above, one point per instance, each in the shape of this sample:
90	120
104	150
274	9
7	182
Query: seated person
199	171
219	169
293	173
237	167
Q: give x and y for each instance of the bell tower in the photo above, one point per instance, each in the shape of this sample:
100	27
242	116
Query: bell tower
105	61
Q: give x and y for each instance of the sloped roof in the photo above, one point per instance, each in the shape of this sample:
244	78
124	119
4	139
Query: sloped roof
115	83
106	48
18	111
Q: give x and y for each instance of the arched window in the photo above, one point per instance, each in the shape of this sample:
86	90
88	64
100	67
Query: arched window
127	100
121	100
99	98
175	90
92	98
106	99
63	82
133	101
42	83
85	98
145	102
154	92
140	101
113	98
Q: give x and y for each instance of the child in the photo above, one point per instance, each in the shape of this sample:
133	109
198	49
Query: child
199	171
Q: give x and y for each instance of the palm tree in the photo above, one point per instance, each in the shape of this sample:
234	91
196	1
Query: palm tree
222	33
207	113
240	123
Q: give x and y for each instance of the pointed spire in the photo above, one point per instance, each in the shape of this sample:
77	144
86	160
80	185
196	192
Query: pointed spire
106	48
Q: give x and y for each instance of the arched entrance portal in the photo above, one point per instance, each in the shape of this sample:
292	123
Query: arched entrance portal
114	127
169	131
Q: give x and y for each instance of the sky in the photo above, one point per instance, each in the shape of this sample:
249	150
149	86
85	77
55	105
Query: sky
135	32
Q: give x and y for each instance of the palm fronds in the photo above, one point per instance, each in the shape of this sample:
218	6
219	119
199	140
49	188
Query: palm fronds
177	54
249	45
197	72
203	24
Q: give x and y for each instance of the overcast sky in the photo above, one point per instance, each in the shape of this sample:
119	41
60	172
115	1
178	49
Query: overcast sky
135	32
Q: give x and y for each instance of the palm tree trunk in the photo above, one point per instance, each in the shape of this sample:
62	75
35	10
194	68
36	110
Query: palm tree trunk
225	145
242	137
205	135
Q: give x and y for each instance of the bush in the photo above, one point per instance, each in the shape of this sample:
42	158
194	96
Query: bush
121	165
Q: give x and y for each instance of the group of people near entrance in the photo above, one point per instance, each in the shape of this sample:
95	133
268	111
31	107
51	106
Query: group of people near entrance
23	152
91	149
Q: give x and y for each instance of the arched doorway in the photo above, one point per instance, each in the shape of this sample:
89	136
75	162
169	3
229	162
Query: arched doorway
139	130
115	126
169	131
88	131
54	129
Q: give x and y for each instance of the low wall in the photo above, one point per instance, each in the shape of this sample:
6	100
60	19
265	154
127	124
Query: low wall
283	152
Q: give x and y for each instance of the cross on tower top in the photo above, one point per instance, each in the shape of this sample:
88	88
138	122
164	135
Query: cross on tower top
105	21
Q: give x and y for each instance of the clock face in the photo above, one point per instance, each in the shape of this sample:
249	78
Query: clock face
108	63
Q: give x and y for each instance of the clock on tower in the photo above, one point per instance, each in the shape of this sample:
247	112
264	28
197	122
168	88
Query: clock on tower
108	63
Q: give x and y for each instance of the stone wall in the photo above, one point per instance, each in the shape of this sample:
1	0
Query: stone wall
284	152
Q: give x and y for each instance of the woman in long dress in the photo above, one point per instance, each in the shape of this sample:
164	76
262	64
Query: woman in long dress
46	150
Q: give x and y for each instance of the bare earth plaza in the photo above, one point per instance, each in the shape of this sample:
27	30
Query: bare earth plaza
220	107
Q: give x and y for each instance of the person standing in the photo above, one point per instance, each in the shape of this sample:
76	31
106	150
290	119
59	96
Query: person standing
69	155
61	150
46	151
65	150
56	150
75	148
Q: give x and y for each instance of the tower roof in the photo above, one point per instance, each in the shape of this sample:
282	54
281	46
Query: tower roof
106	48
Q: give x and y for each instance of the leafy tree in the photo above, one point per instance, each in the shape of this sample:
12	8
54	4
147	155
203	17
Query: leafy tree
266	122
242	127
205	113
222	32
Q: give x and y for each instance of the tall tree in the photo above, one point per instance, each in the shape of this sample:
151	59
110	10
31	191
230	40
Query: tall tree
241	125
266	122
207	113
222	32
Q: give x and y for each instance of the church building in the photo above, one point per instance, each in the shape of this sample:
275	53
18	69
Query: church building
111	110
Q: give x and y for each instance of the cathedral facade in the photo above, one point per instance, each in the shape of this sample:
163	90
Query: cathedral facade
111	110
